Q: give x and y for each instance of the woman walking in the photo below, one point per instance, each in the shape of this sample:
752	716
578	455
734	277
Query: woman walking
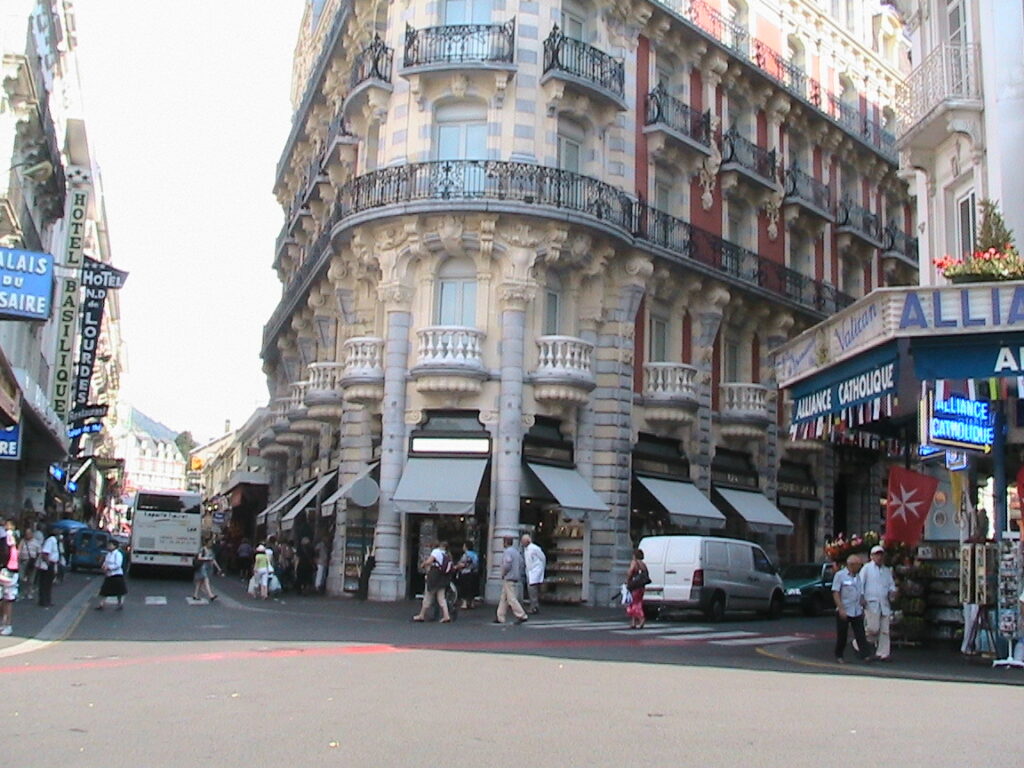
261	570
113	571
9	564
205	563
637	578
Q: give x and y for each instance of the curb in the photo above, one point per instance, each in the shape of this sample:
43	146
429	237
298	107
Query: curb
57	628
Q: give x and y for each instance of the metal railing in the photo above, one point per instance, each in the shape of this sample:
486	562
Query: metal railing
895	240
460	43
950	72
477	181
374	62
805	187
564	54
742	151
859	219
662	108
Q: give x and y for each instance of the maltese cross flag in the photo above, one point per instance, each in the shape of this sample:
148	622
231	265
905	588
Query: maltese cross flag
910	500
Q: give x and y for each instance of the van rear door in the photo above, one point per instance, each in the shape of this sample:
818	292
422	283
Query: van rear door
680	562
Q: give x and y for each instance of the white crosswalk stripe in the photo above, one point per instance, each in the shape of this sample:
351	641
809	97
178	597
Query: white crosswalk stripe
684	633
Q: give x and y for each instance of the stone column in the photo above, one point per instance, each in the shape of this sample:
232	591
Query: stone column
386	579
356	452
708	316
508	450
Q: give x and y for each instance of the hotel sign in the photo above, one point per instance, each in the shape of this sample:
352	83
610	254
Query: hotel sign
68	299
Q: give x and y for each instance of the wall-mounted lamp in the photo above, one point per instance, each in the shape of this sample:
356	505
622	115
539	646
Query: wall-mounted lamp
37	171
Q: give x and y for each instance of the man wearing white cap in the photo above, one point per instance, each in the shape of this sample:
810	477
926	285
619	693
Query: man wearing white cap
879	588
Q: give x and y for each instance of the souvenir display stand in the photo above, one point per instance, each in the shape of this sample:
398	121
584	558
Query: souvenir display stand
566	577
1009	590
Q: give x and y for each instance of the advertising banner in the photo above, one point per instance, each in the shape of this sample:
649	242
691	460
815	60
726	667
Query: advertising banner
26	285
856	384
97	278
67	303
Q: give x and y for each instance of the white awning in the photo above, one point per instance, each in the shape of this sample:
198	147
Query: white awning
286	497
685	504
343	491
761	515
569	488
440	486
304	500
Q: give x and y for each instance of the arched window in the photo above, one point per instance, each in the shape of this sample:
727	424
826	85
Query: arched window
456	293
796	52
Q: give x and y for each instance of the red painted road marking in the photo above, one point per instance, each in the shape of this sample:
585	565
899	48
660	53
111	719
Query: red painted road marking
353	650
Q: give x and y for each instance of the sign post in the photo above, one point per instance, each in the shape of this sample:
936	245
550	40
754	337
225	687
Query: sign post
68	299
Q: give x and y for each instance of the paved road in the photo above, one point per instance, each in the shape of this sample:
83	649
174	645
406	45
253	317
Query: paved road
167	682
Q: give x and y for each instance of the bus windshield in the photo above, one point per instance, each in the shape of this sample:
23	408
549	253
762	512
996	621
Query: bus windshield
158	502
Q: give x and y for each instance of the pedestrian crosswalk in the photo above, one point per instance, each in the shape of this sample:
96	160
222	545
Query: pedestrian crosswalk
683	633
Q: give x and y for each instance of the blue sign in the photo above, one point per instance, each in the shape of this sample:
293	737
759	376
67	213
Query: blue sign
10	442
85	429
957	422
26	285
858	381
977	356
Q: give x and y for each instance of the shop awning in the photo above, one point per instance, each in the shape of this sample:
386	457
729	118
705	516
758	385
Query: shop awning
569	488
685	504
437	486
304	499
759	513
343	491
281	501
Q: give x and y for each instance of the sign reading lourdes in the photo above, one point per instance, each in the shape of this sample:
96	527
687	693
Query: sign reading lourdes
97	278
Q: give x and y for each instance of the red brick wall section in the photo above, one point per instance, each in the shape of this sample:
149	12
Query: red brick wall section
687	350
643	77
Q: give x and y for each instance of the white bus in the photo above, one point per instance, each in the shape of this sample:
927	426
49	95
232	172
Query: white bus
166	529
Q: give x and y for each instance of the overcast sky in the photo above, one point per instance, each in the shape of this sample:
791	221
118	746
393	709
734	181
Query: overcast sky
187	111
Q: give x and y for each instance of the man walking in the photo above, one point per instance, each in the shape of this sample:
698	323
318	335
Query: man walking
849	600
49	559
438	567
879	588
535	564
511	575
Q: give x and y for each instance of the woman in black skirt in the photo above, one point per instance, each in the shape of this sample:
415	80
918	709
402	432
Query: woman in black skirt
113	570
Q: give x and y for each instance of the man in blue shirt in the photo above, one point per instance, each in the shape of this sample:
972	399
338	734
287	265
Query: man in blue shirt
848	594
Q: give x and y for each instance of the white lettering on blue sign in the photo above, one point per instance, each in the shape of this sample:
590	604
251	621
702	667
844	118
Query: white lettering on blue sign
867	385
968	308
1007	361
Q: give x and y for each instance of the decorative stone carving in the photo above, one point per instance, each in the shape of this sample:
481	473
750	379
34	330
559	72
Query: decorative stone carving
772	207
414	417
708	173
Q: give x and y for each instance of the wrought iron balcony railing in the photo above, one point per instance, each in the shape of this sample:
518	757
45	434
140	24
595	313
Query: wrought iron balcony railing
374	62
856	217
460	44
948	73
742	151
680	117
495	181
895	240
805	187
576	58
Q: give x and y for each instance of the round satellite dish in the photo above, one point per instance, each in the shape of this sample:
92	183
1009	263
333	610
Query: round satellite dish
364	492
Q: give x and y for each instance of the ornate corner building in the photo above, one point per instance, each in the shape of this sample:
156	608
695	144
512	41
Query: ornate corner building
535	260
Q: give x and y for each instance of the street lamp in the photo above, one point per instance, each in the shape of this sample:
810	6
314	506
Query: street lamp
38	171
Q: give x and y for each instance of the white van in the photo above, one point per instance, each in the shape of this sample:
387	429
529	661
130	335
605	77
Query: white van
710	574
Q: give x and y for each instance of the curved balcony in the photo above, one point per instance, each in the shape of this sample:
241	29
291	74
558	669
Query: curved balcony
298	415
677	132
449	360
943	89
363	375
806	194
670	392
585	69
743	160
460	46
539	191
279	422
324	394
855	222
743	409
564	371
370	81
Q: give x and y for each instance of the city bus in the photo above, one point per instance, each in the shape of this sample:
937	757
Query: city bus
166	529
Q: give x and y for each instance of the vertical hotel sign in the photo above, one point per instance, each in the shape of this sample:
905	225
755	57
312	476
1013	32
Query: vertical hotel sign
68	300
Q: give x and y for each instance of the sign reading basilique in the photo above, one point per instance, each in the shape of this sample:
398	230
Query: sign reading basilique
68	300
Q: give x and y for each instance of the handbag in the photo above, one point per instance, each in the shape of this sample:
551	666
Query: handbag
638	580
273	584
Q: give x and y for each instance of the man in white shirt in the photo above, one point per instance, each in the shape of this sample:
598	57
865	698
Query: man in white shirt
879	588
49	559
536	562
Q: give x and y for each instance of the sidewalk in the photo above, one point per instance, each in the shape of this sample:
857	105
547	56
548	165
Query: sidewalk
44	625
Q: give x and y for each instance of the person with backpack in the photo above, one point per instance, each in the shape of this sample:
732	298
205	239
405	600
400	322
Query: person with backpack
438	568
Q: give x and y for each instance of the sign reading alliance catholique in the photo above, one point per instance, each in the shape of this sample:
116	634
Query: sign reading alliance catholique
98	278
958	422
853	384
68	299
26	285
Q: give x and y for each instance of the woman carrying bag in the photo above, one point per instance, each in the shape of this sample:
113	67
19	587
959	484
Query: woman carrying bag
637	578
